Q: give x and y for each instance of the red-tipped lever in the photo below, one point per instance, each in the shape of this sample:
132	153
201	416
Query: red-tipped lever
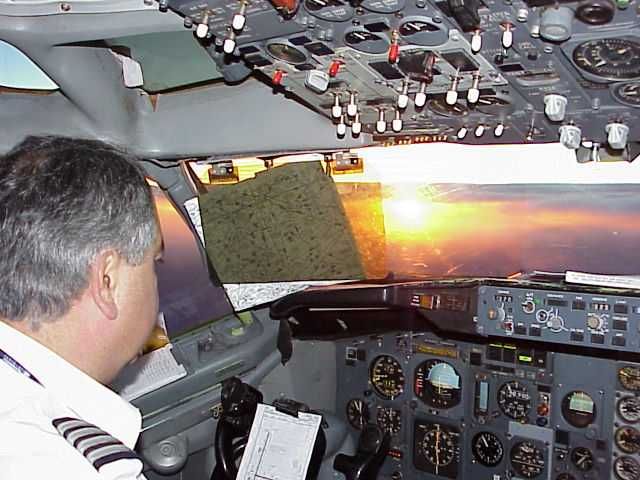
334	68
394	49
278	75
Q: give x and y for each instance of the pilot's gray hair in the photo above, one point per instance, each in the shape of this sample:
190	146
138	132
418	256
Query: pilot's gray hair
63	201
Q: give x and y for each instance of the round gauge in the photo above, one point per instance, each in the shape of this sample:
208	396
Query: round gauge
438	446
565	476
582	458
578	409
627	93
330	10
487	449
491	104
383	6
366	41
439	106
514	400
629	378
626	468
437	384
527	460
609	58
628	439
387	377
286	53
389	420
596	12
423	31
357	413
629	409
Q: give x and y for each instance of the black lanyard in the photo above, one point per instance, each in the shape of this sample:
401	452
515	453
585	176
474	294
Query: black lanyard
13	363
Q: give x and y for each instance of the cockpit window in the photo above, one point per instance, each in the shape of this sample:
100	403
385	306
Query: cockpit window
445	210
19	72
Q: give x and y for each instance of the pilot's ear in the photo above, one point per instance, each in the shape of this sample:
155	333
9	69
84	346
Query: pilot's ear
103	278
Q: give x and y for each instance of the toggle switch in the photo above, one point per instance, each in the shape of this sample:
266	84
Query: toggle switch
203	28
498	130
473	94
229	44
277	77
452	93
476	41
352	106
336	110
356	126
507	35
396	124
342	127
381	124
479	131
394	48
421	97
403	98
462	133
239	19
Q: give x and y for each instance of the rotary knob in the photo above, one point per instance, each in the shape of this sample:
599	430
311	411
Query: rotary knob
555	107
570	136
594	322
617	134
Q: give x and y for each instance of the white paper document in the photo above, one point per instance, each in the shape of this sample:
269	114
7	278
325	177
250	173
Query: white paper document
150	372
279	446
613	281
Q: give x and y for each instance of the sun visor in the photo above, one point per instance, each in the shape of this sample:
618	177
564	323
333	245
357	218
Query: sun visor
288	223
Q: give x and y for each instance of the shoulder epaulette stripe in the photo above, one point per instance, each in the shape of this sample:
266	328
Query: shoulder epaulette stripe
96	445
114	458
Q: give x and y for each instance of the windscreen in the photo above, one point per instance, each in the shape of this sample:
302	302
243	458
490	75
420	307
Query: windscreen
450	210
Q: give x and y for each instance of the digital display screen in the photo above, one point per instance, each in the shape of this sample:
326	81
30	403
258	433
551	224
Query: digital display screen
557	302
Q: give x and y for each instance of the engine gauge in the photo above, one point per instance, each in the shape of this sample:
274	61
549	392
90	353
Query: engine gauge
383	6
286	53
366	41
609	58
387	377
438	447
626	468
437	384
527	460
357	413
578	409
440	107
628	439
582	458
330	10
629	409
423	31
627	93
389	420
514	400
487	449
629	378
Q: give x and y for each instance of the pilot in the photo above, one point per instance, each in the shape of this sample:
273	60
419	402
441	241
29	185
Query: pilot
78	298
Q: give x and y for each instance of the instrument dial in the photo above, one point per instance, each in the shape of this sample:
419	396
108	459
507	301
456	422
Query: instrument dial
330	10
387	377
286	53
627	93
629	378
437	384
366	41
389	420
440	107
514	400
383	6
609	58
487	449
582	458
629	409
527	460
628	440
626	468
438	447
578	409
357	413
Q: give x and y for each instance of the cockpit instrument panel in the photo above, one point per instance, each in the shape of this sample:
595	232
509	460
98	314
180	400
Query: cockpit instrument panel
474	72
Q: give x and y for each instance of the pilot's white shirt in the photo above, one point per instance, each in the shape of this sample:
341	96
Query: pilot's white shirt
40	423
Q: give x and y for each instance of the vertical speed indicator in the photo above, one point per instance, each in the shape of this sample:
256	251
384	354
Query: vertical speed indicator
387	377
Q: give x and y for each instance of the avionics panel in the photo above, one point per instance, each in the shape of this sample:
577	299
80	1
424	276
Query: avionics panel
596	320
491	410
